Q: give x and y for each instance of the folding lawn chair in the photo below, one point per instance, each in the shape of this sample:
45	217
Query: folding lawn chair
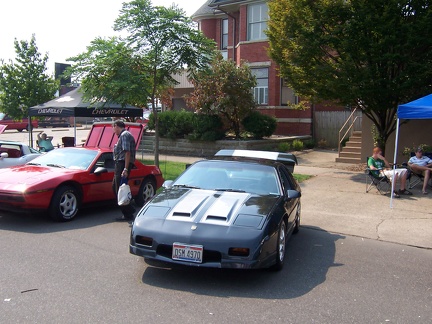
414	178
375	178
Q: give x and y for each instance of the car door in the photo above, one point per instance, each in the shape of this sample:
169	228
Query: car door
99	186
290	203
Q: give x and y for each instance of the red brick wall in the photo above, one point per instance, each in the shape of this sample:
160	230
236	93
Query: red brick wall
290	121
209	28
243	23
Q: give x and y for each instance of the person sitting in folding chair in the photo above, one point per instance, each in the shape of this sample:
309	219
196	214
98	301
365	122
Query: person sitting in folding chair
422	165
378	163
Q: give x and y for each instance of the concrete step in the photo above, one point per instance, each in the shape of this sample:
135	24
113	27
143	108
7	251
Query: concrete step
351	149
355	139
353	145
348	160
351	152
356	155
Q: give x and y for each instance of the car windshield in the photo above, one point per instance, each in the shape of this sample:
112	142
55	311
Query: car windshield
230	176
69	158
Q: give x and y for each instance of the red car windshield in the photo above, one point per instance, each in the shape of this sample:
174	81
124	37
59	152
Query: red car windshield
69	158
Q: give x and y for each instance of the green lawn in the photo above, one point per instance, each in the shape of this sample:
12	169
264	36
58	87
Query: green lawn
171	170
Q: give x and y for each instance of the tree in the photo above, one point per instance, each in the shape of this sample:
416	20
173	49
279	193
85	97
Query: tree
168	41
25	83
111	71
370	54
226	90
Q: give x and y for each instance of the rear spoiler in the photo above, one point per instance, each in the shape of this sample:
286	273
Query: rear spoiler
288	159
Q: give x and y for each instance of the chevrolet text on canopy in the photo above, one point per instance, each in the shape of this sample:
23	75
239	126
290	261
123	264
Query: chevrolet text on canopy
71	104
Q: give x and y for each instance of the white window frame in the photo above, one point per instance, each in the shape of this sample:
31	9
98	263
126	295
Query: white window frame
224	34
261	91
257	21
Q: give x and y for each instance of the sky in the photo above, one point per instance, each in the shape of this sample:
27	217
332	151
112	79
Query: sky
64	28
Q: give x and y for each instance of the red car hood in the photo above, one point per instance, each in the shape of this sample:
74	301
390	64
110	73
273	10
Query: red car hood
102	135
21	177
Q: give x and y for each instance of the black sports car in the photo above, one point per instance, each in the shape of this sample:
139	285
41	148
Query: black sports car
236	210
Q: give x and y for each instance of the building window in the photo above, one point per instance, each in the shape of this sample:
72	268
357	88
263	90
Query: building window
224	36
288	95
257	21
261	90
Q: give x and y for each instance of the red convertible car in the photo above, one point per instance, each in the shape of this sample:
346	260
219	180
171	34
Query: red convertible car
63	180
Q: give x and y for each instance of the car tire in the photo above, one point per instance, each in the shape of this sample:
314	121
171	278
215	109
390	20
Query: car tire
20	130
64	204
146	191
297	219
280	246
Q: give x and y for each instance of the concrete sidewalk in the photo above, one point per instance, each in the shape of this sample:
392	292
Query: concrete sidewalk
335	200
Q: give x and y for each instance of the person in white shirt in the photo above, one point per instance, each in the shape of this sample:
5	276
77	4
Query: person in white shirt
421	164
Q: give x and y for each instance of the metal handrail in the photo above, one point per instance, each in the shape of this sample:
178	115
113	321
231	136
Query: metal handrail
348	130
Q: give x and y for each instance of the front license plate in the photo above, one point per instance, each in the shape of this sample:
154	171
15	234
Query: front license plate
186	252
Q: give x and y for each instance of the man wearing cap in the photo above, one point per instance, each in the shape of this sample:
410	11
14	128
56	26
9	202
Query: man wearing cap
124	157
419	164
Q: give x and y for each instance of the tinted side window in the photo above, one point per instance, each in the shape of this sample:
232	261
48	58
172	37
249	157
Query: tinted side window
287	179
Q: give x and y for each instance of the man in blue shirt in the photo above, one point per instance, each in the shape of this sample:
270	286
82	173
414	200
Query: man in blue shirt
124	157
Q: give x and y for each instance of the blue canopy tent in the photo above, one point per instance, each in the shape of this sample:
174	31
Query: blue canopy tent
417	109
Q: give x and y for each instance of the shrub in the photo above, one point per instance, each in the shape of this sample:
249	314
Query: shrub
297	145
183	124
259	125
283	147
173	124
310	144
207	128
425	147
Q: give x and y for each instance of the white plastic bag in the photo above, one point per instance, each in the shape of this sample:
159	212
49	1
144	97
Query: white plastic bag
124	195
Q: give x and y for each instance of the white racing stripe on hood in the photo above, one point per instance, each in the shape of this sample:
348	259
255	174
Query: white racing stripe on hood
187	208
209	207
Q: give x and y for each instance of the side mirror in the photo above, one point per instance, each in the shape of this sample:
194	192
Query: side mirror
100	170
291	194
4	155
167	184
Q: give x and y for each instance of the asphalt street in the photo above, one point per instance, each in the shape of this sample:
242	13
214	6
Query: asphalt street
355	260
82	272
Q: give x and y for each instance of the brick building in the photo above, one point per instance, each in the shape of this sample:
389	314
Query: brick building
238	29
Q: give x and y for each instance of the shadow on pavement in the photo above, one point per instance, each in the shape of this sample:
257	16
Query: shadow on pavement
310	254
40	223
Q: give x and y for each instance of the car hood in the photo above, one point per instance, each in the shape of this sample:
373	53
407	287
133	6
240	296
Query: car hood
101	135
19	177
211	207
